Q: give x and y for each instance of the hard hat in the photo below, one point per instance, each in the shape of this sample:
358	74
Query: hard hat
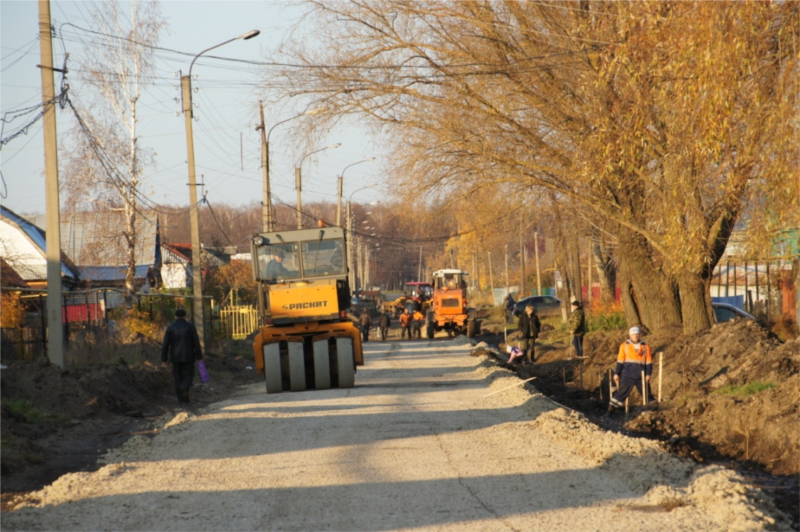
635	330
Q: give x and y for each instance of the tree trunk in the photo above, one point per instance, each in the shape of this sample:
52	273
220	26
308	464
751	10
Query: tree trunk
606	270
655	293
695	303
628	299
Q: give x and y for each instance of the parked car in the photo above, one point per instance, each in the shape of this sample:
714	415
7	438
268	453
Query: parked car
544	305
724	312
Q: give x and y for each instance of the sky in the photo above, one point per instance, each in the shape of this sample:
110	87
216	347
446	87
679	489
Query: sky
227	146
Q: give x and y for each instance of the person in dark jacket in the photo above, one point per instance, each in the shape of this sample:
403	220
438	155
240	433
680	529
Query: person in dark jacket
509	308
366	322
577	327
383	325
634	365
182	347
529	326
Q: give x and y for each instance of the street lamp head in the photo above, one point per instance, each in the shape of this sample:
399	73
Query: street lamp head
334	145
370	159
249	35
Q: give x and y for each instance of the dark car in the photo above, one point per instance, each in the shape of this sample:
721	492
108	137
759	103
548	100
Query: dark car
544	305
724	312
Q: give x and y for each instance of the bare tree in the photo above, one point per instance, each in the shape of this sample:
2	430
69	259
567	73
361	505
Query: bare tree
104	161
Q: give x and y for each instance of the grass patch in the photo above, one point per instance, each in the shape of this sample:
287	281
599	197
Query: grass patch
750	388
23	409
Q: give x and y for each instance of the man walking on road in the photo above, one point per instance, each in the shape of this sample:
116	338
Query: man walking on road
405	324
366	322
633	361
383	326
182	347
529	326
577	327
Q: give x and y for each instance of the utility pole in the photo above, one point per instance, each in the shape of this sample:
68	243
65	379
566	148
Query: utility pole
521	259
589	273
419	270
339	202
298	185
507	292
366	267
197	278
359	264
266	202
474	272
55	328
350	269
491	277
538	272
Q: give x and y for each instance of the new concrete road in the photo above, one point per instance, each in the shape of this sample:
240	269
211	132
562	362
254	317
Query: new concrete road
430	438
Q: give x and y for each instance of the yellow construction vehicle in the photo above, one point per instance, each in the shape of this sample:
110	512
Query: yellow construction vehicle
305	339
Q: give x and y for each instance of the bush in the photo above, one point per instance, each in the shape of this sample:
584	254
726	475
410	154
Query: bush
609	317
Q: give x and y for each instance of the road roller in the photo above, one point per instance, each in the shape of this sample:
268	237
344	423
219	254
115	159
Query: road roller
305	338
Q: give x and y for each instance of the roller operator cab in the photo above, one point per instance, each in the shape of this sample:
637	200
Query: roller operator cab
448	309
305	339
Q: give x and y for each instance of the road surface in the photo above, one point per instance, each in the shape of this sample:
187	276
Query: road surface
416	445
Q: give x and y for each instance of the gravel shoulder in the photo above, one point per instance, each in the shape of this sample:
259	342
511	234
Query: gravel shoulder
419	443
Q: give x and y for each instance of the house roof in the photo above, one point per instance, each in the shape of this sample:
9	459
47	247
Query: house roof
95	238
9	277
24	245
111	273
183	252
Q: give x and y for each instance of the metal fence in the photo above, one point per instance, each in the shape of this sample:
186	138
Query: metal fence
238	321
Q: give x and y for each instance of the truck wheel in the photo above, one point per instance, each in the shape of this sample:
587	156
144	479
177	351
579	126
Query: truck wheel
430	331
471	329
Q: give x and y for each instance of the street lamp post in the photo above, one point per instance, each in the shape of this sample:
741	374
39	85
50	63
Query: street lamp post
341	186
350	270
268	217
197	287
298	182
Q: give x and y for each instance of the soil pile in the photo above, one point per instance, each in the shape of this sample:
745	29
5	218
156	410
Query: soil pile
58	420
728	393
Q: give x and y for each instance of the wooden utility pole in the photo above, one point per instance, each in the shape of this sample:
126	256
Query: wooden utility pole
55	330
538	271
266	201
299	186
491	277
521	259
419	270
351	242
589	273
507	269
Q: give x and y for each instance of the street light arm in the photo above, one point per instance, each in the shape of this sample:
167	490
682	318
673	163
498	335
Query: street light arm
310	112
317	151
245	36
350	199
359	162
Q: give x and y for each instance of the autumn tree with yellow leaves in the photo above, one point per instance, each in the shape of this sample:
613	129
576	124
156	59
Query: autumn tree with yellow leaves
666	122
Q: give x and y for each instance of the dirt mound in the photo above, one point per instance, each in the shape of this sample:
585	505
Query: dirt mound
733	388
729	393
57	420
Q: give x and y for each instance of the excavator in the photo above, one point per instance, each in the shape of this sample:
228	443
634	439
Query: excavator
305	339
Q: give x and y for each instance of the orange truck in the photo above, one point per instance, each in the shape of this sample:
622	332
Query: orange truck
305	340
449	307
